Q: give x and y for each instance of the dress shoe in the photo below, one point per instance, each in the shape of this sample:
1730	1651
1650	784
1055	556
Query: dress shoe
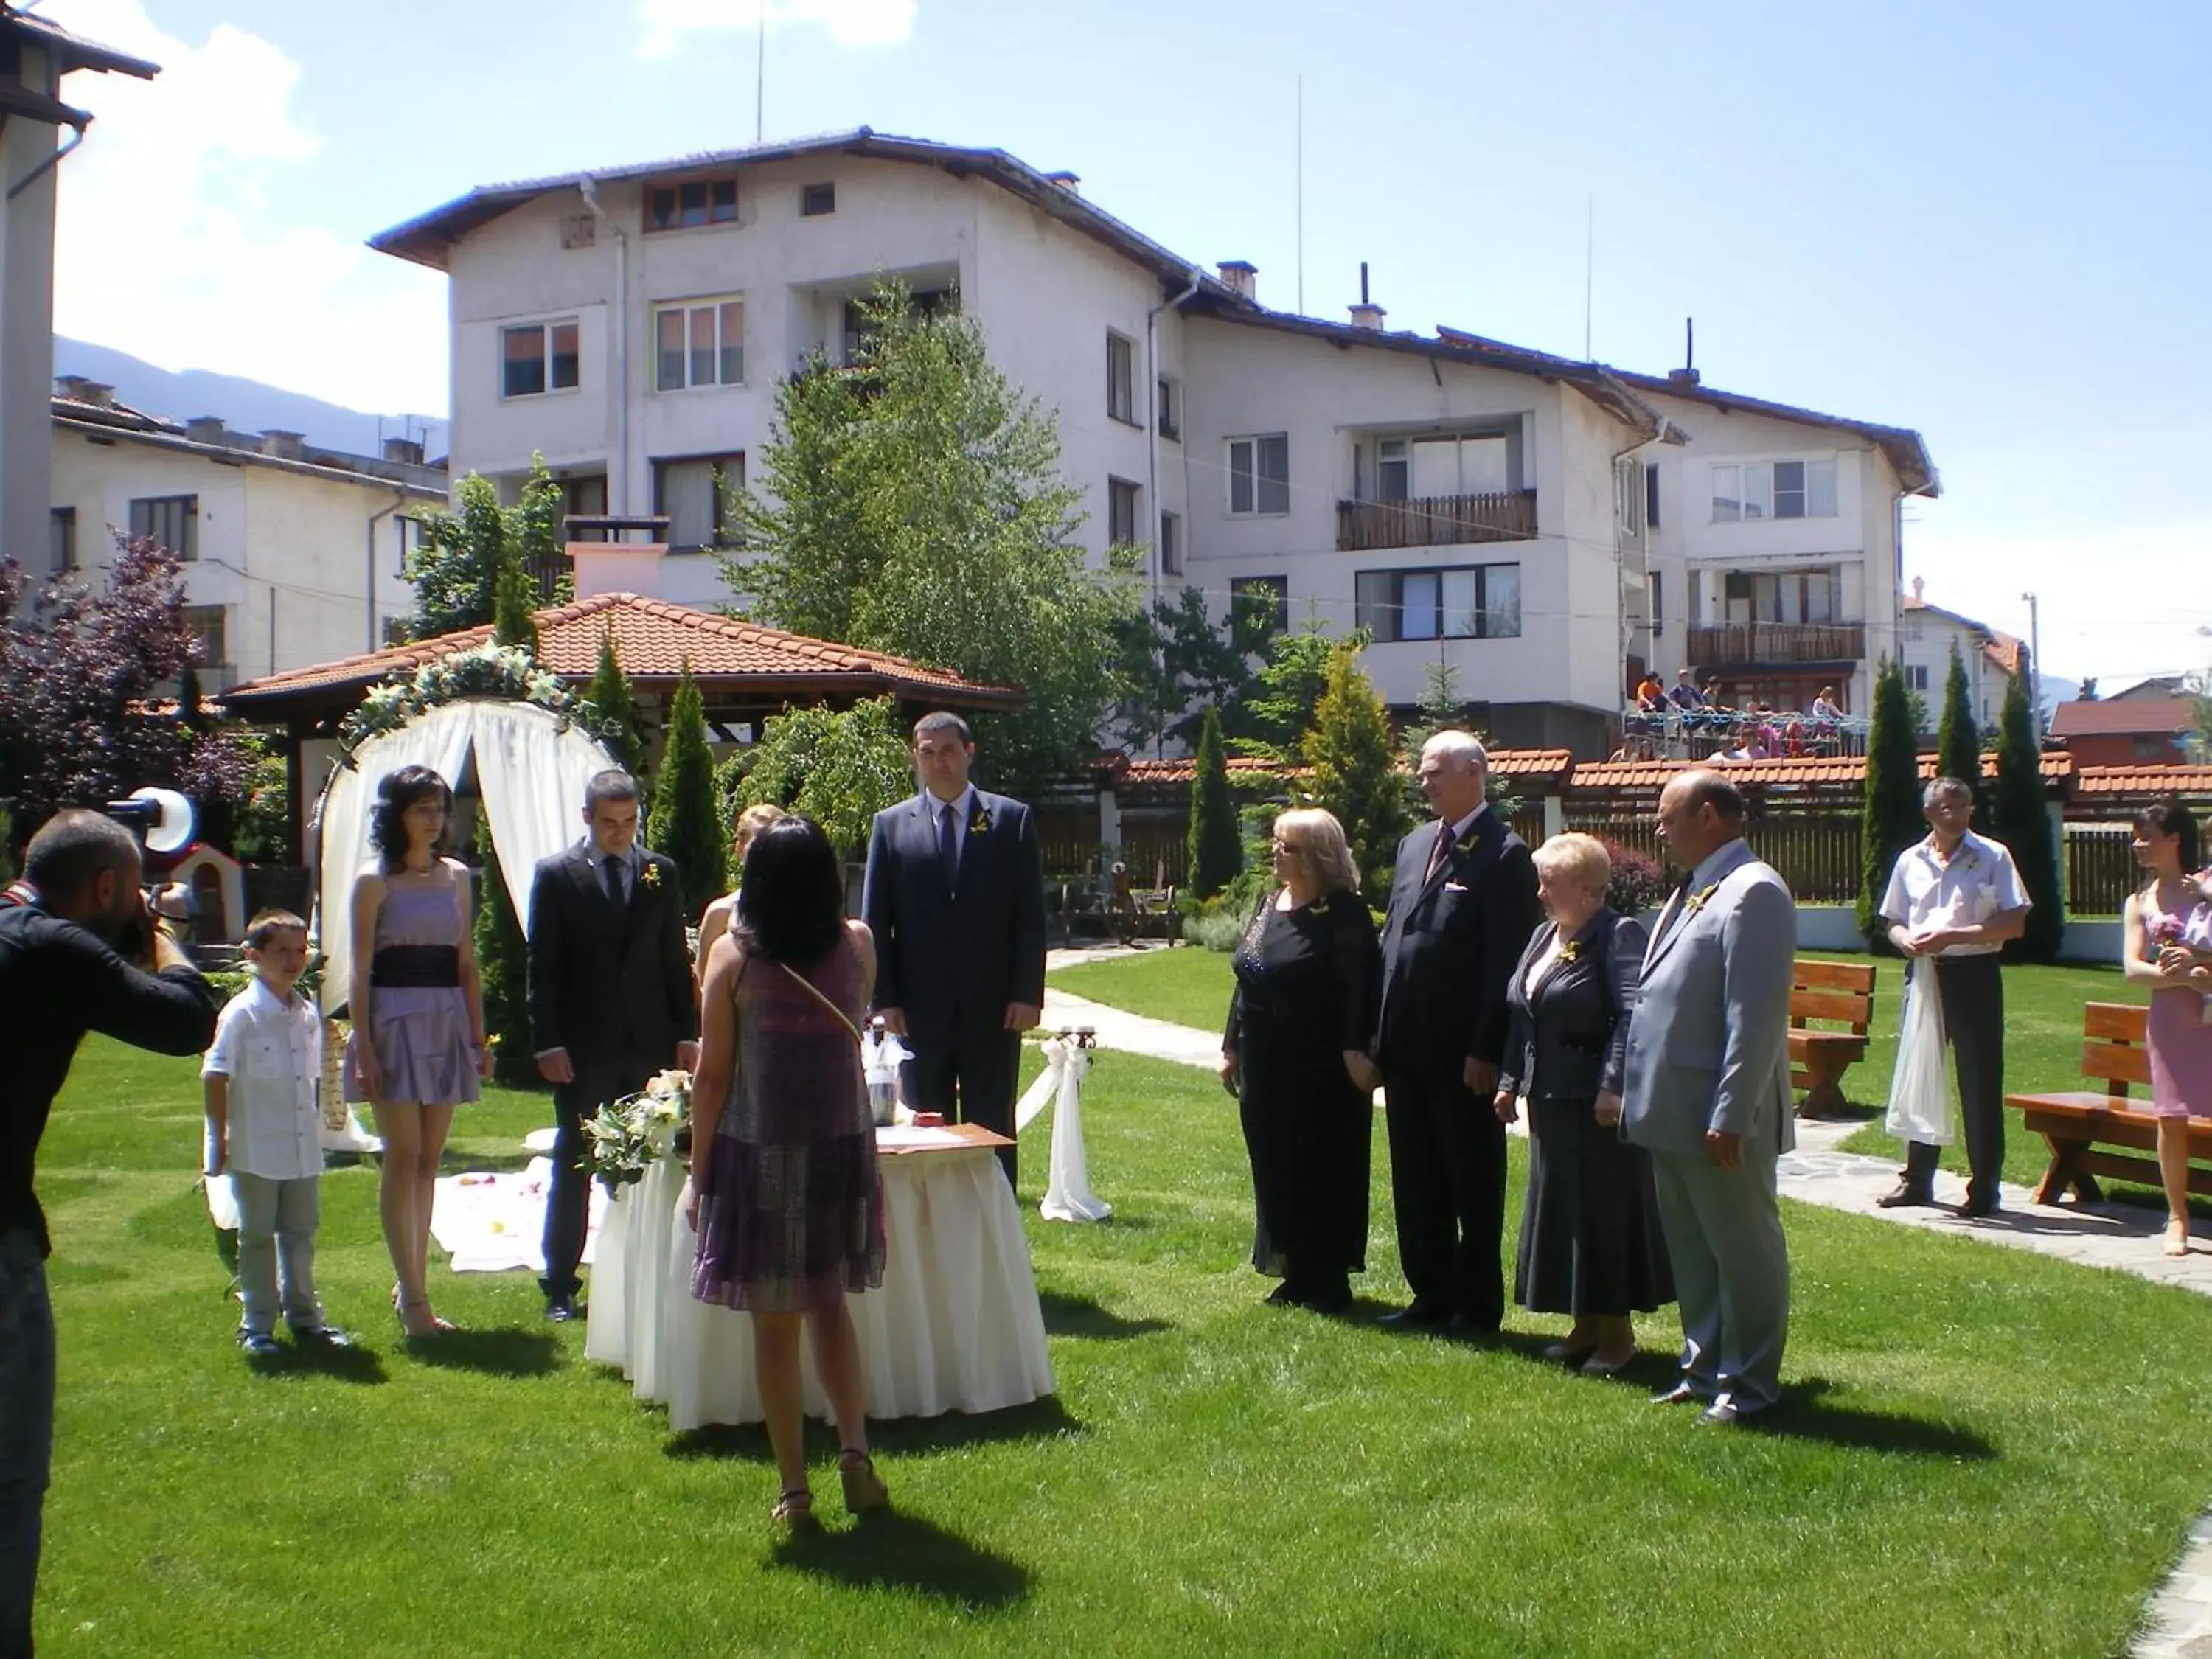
1415	1315
1727	1412
1595	1366
258	1344
1470	1329
1332	1298
1680	1394
1978	1209
321	1336
560	1309
1285	1295
1565	1354
1907	1195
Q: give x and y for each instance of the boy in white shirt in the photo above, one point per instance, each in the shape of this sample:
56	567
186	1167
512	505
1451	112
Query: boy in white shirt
264	1131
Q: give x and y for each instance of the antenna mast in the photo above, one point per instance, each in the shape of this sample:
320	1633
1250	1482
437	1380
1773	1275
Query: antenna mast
1301	192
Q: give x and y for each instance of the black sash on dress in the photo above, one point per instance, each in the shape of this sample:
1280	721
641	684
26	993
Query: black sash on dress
415	967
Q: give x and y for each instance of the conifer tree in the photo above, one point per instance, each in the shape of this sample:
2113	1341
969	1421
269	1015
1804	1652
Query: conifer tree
685	824
1354	768
610	693
503	963
1216	851
1890	819
2020	817
1958	742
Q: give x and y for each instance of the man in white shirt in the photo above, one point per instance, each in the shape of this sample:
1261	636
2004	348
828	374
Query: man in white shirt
1956	898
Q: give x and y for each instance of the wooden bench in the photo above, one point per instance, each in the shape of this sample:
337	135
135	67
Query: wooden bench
2076	1124
1840	993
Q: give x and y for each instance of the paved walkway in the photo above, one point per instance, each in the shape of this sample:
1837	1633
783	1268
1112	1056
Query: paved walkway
2123	1238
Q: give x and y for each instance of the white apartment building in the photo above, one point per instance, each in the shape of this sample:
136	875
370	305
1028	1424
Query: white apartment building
1470	503
292	556
1926	636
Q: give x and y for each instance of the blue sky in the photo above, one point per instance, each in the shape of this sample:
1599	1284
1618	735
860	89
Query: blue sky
1988	222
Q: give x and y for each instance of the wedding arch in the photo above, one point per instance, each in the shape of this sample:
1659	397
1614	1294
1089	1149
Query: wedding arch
533	745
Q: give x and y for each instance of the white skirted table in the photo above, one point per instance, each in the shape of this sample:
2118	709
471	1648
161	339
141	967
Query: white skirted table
955	1326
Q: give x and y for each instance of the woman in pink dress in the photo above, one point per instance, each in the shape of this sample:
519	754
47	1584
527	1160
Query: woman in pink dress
2169	949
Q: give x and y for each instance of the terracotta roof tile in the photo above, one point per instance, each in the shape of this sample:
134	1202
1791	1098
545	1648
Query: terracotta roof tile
2144	781
653	638
2128	717
1801	773
1503	762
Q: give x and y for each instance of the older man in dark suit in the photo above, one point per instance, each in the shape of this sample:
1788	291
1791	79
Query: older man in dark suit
1462	906
955	896
611	998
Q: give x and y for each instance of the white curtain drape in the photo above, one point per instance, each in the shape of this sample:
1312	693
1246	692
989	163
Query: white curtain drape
530	771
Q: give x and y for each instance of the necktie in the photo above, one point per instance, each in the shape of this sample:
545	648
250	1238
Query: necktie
1438	853
615	881
948	846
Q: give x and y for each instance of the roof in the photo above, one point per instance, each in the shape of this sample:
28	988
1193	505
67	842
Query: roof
2192	781
112	420
72	51
653	639
1523	764
2001	648
2132	717
429	238
1805	773
1907	452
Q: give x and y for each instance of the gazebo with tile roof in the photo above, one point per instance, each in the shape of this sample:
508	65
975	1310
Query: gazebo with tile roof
746	672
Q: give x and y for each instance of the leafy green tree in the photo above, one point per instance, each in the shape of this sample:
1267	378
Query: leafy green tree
685	823
1176	663
459	565
912	503
610	693
502	960
839	767
1216	850
2020	817
1958	742
1355	767
1889	817
513	601
1273	722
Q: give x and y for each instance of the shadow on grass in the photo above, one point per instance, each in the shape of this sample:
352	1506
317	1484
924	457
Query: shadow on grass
1806	1414
495	1352
888	1550
354	1365
1041	1419
1079	1316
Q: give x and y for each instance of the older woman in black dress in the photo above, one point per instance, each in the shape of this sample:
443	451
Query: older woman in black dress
1590	1244
1295	1053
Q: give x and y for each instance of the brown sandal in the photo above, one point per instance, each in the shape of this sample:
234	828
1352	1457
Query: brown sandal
794	1509
864	1487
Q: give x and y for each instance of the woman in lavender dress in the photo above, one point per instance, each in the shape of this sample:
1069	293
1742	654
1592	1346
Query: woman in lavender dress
785	1194
417	1048
2168	950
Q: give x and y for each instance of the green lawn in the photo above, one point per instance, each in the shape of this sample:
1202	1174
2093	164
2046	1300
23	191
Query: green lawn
2043	1030
1989	1451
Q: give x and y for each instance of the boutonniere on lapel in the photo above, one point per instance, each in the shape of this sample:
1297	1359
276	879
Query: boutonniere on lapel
1466	842
651	876
980	823
1319	907
1702	897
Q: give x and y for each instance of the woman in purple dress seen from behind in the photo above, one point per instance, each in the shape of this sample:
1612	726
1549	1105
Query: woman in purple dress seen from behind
785	1194
2169	950
417	1048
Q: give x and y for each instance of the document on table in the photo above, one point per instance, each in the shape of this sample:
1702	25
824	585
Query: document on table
907	1138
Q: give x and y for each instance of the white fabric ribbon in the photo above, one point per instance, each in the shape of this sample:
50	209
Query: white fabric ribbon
1067	1195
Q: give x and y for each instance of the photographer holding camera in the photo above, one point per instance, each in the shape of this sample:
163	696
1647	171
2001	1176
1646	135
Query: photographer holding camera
79	951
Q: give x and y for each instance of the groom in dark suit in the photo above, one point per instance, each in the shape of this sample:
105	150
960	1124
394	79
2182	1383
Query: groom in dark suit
955	896
612	1000
1462	906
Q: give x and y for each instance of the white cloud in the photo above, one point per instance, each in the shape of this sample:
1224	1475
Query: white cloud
850	23
171	241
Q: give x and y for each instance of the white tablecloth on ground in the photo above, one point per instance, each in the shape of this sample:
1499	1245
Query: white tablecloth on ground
494	1221
955	1326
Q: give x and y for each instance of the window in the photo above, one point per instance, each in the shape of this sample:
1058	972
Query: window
1170	544
206	622
61	541
1786	596
1259	609
1916	677
700	343
1774	489
1170	410
1470	602
694	493
1393	471
1121	512
173	521
1120	378
1651	500
1657	578
536	358
584	495
816	200
693	202
1260	474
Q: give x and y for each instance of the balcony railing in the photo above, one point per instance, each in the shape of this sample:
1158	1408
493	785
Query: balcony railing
1436	521
1776	642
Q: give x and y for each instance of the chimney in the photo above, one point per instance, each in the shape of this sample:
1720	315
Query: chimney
1070	182
80	389
405	450
206	429
1366	314
1242	275
1688	374
284	446
1918	584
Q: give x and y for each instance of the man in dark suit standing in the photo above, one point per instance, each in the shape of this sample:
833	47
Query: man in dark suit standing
955	896
611	998
1463	906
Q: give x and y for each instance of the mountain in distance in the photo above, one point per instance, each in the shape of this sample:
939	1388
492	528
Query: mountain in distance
245	406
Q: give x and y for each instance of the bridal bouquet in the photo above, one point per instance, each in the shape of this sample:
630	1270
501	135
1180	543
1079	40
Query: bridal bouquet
628	1136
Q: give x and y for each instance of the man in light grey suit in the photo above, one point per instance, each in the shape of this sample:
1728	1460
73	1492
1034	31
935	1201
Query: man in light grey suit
1707	1093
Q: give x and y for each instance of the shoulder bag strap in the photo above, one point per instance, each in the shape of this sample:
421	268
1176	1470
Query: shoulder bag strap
815	991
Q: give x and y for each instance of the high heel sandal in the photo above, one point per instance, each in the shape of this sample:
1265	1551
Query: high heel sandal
2176	1238
864	1487
794	1509
436	1327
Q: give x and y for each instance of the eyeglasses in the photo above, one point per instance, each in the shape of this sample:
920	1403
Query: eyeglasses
1281	847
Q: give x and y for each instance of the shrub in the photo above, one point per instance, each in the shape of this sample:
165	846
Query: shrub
1638	883
1215	928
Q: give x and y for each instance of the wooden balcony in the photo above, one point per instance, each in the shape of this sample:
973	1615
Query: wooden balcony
1744	643
1436	521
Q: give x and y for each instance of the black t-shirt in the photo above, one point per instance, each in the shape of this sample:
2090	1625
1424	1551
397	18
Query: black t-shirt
57	982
